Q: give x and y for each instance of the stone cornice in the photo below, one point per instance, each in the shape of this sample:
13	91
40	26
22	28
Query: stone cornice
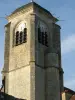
30	6
21	12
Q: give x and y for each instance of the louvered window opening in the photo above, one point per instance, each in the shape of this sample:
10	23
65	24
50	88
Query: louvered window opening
21	37
42	37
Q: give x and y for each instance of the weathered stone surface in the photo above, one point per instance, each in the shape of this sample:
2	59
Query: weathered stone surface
31	68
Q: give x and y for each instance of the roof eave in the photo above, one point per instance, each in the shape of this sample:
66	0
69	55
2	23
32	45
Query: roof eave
32	4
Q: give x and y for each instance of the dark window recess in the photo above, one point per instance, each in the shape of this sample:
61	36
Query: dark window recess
39	35
25	35
3	83
42	37
21	34
17	38
46	39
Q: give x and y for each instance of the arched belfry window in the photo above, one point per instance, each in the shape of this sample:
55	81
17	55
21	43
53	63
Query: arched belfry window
43	34
20	34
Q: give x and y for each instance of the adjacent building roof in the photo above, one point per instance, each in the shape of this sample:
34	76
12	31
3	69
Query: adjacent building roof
67	90
73	97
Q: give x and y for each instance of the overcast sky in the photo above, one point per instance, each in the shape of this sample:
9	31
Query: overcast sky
65	11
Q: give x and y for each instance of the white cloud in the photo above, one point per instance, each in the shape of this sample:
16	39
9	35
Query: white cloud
68	44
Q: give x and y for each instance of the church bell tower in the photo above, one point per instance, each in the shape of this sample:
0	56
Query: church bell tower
32	60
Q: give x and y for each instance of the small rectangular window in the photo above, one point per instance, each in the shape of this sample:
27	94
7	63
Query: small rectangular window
25	35
39	35
46	39
17	38
42	37
21	33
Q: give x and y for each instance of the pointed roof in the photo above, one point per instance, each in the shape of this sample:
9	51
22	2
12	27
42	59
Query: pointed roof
34	5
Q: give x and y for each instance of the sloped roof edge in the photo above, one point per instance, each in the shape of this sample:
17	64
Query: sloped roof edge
69	90
34	4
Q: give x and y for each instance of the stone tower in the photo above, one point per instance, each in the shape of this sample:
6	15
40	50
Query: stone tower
32	61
